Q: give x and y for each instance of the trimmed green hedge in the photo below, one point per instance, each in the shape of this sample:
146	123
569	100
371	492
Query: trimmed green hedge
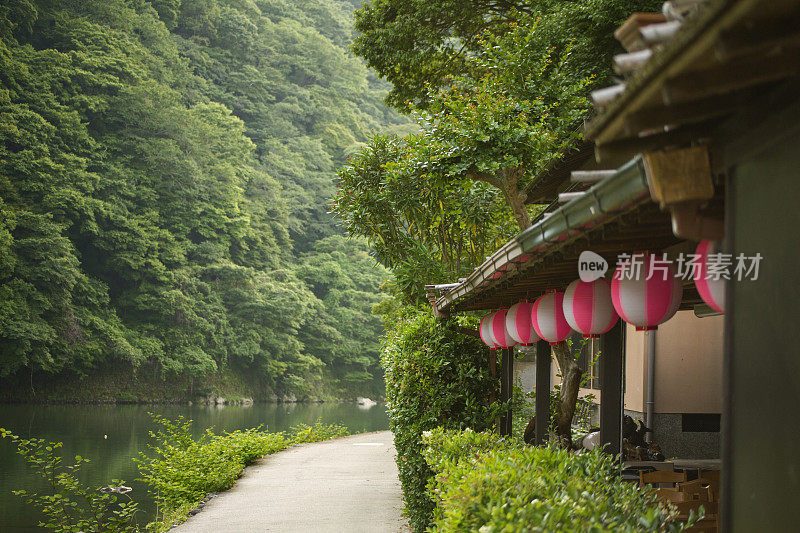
435	376
486	483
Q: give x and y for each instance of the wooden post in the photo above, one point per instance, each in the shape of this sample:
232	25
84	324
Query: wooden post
612	363
542	391
506	387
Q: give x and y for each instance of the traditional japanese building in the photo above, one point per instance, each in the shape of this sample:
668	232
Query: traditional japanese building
700	141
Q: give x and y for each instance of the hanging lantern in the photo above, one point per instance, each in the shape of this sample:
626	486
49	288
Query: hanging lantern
502	337
711	290
547	317
643	302
588	308
486	331
518	323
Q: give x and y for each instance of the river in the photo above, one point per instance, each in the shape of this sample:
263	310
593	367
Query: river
110	435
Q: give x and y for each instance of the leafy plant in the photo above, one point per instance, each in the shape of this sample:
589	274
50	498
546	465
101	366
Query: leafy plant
181	471
69	505
435	376
304	433
487	483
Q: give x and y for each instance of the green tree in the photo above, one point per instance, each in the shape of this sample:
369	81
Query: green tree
417	45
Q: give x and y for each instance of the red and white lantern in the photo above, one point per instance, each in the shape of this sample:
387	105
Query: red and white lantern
711	287
644	302
502	337
547	317
486	331
518	323
588	307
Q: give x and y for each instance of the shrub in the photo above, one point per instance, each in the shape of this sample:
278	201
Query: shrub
486	483
183	471
304	433
435	376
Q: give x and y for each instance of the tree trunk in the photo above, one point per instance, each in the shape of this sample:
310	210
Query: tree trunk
515	198
571	374
507	181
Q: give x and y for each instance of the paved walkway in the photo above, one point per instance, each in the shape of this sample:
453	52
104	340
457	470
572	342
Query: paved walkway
343	485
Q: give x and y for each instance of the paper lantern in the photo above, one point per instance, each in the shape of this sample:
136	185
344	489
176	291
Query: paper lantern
502	337
588	307
518	323
547	317
643	302
486	331
711	290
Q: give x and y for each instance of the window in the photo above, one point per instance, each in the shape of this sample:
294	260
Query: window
700	422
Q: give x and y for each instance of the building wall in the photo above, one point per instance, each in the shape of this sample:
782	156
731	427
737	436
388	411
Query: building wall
762	464
688	380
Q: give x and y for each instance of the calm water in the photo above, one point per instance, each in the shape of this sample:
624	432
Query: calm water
82	430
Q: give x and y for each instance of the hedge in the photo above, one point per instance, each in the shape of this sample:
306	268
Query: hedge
435	377
486	483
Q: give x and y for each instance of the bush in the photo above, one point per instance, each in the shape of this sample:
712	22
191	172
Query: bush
183	471
319	431
486	483
435	376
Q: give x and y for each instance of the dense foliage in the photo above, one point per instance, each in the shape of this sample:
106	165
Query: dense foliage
485	483
435	377
165	169
417	45
422	231
499	90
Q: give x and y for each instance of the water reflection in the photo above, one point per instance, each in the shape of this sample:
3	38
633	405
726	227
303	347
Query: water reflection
111	435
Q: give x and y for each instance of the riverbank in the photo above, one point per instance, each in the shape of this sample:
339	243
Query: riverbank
111	435
128	385
347	484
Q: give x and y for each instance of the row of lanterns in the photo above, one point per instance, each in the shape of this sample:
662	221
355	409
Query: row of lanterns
593	308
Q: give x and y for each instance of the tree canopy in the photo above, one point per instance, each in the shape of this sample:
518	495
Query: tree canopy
165	170
499	90
417	45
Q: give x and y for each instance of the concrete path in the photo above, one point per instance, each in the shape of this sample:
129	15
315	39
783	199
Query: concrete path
343	485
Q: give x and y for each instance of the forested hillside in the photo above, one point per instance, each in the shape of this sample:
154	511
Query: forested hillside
165	173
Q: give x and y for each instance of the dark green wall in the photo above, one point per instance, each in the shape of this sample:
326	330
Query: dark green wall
763	342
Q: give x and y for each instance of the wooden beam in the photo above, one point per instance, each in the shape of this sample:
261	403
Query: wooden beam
630	62
620	151
590	176
606	95
506	388
543	362
730	76
654	34
677	176
758	37
612	363
565	197
659	117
